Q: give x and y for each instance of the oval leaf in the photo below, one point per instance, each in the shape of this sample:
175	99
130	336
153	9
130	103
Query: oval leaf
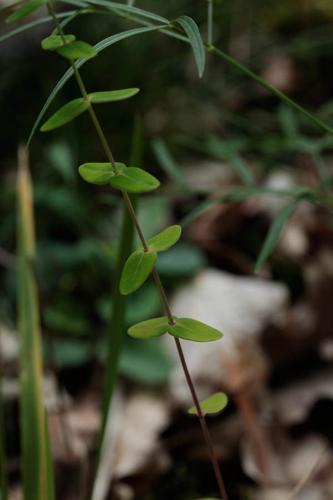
134	180
214	404
66	114
150	328
191	329
191	29
274	233
53	42
26	9
136	270
112	95
96	173
165	239
77	50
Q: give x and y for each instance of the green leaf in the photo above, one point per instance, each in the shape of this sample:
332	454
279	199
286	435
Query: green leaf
26	9
136	270
191	29
185	328
165	239
37	22
77	50
96	173
53	42
150	328
112	95
66	114
191	329
214	404
133	180
127	8
274	233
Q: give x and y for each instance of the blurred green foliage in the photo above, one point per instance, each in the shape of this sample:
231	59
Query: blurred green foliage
224	117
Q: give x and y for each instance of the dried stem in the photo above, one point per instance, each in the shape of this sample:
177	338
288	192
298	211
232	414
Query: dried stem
156	276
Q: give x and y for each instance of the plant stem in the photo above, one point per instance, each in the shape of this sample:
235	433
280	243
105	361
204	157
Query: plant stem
210	20
203	423
156	276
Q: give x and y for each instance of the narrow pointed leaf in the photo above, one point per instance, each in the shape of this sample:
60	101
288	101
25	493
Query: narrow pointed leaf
112	95
191	329
274	233
165	239
126	8
53	42
191	29
37	22
136	270
214	404
96	173
34	462
26	9
77	50
134	180
150	328
66	114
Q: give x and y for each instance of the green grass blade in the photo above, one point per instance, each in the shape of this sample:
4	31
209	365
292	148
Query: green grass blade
31	406
102	45
191	29
125	8
26	9
35	23
273	90
274	233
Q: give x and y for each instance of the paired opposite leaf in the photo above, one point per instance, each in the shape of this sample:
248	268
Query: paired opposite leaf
67	46
66	114
136	270
191	29
166	239
74	108
140	264
53	42
25	9
131	179
77	50
214	404
189	329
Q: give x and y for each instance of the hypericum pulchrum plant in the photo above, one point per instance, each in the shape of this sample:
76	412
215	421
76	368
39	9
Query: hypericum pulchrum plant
130	179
